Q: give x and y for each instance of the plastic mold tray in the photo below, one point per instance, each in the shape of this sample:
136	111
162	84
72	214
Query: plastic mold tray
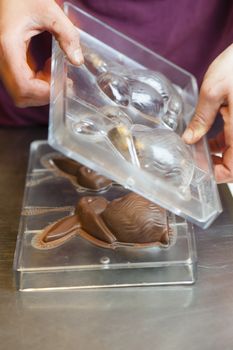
119	143
78	263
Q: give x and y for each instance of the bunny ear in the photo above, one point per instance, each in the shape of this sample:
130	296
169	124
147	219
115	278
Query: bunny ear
57	233
66	165
96	241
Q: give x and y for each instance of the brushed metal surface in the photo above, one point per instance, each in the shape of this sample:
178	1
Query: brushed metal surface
191	317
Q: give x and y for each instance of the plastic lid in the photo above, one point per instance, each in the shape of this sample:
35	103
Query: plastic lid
122	114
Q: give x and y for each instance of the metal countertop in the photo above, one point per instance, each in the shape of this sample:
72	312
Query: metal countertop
191	317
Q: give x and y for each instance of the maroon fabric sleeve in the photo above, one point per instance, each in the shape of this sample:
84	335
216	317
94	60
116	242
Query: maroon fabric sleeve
189	33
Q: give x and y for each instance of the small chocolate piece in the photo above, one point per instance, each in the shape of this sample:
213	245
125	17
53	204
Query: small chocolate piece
129	221
91	179
85	177
67	165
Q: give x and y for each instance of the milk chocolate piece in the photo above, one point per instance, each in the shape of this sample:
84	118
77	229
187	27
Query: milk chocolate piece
89	210
61	228
85	177
129	221
91	179
67	165
57	233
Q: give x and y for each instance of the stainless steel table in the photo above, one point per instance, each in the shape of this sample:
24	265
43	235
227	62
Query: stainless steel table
194	317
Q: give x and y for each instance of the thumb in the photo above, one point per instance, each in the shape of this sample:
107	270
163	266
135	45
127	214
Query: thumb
205	113
58	24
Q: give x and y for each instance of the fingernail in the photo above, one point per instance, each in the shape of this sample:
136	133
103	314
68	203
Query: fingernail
78	56
188	135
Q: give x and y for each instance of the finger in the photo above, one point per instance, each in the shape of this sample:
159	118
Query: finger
227	114
207	107
217	159
223	167
57	23
217	144
22	83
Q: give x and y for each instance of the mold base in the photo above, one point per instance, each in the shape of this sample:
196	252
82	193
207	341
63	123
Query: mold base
78	263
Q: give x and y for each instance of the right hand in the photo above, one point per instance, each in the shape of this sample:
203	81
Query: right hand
20	20
216	95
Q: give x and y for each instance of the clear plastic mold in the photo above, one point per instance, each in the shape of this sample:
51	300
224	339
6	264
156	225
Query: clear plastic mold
72	256
122	114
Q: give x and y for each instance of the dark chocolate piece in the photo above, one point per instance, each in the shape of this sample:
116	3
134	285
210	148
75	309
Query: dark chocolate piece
129	221
85	177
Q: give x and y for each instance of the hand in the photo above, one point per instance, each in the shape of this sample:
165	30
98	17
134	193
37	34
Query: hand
20	20
216	94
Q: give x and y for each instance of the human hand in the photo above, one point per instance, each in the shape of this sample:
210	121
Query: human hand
216	95
19	22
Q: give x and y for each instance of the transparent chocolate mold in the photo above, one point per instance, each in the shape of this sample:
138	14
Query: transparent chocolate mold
171	104
146	99
137	94
148	91
144	91
115	87
96	108
94	62
95	125
157	150
117	115
113	125
164	152
57	246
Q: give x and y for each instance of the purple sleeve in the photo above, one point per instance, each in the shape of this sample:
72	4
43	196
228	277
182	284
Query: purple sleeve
188	33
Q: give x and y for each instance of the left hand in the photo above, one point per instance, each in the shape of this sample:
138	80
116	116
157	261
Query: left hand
216	94
20	20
